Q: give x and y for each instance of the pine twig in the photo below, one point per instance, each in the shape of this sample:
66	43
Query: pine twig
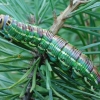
65	15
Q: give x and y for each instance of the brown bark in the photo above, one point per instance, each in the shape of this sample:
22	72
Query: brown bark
59	21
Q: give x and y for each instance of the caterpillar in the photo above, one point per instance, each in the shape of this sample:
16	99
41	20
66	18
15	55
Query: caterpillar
55	47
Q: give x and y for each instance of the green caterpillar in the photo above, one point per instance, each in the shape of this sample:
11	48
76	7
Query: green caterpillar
55	47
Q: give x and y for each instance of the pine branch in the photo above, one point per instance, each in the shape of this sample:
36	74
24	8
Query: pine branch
59	21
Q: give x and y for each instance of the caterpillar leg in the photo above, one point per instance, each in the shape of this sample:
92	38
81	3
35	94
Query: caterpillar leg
92	88
64	61
76	72
86	80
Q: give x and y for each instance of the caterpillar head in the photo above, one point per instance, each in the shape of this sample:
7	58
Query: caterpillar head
1	21
4	20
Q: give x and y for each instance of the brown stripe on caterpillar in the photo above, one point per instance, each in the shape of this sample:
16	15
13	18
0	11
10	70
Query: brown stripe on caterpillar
40	32
75	53
24	27
96	74
30	27
48	34
59	42
19	24
87	62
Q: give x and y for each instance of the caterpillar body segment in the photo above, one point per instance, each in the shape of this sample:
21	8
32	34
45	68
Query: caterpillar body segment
55	47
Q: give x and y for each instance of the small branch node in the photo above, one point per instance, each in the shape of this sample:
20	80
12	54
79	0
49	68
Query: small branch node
59	21
71	3
54	16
